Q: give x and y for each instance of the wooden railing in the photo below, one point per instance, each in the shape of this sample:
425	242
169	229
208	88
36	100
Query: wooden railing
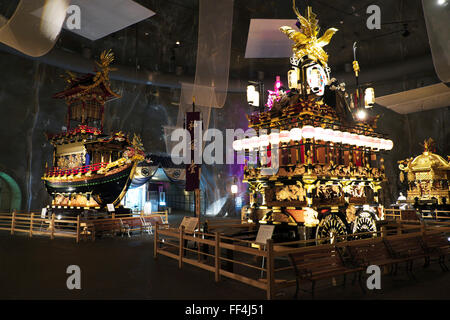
32	224
266	267
427	215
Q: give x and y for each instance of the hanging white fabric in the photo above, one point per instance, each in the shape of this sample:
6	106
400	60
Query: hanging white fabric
35	25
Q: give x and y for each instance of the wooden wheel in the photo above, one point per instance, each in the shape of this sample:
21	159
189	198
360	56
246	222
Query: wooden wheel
330	227
365	222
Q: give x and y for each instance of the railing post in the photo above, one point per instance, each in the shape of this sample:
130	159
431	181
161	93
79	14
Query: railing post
31	224
270	267
217	256
13	221
155	241
167	215
113	215
181	247
78	229
52	226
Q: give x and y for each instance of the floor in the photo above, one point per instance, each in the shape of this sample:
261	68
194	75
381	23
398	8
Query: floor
124	268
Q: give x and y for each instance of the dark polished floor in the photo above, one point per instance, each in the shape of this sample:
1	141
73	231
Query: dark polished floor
124	268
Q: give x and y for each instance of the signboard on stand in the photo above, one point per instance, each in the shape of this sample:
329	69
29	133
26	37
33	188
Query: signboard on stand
189	224
265	233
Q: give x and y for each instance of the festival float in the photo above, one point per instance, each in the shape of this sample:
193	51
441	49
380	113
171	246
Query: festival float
331	168
427	179
91	169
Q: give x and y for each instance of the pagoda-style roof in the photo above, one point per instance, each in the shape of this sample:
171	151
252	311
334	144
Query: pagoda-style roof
427	161
90	86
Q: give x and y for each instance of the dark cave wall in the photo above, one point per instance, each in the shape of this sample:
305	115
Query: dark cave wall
28	111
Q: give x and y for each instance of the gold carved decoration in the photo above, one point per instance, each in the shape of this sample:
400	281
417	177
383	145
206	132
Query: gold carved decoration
306	42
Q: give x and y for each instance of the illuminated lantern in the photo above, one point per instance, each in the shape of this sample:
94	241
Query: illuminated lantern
295	134
353	139
347	138
246	143
317	79
284	136
319	133
234	189
274	138
254	142
263	140
389	145
237	145
308	132
328	135
293	76
337	136
369	97
252	96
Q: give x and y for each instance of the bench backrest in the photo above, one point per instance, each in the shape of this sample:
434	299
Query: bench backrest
368	251
405	246
318	260
434	240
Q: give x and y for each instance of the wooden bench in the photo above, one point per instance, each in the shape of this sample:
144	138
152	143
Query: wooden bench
372	252
437	245
106	226
407	248
316	263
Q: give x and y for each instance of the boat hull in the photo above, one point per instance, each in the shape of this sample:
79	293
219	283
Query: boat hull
104	189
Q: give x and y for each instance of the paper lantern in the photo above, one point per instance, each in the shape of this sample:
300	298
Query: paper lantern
284	136
337	136
308	132
237	145
328	135
369	98
295	134
263	140
246	143
389	145
347	138
319	133
254	142
274	138
252	96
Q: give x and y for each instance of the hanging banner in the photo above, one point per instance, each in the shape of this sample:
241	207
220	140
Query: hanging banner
192	169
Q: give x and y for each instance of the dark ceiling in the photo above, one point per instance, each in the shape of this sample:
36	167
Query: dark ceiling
151	44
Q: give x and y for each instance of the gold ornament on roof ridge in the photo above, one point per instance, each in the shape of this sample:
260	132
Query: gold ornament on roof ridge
306	41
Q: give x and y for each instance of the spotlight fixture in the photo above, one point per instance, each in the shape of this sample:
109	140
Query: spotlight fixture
361	114
442	2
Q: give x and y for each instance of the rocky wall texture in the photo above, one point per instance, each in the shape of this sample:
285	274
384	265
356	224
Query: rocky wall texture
27	112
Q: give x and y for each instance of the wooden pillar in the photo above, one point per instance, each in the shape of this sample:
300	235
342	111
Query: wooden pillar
31	224
181	248
217	257
270	269
78	229
13	221
52	226
155	241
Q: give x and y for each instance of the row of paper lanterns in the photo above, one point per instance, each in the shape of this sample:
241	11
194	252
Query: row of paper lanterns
310	132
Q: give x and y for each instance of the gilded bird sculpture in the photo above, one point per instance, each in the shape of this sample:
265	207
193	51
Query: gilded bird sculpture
306	42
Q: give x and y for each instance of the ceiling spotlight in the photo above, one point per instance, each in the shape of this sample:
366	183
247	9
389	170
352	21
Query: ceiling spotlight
177	43
442	2
361	114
